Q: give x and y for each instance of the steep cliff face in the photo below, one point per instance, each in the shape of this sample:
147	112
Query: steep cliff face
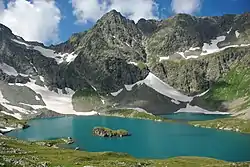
104	53
191	53
231	92
183	35
114	40
198	75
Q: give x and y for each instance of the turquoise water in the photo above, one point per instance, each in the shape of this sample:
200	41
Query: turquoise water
149	139
193	116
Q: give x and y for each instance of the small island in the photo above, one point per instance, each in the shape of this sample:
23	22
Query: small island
106	132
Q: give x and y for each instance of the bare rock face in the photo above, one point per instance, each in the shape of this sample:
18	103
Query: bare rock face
105	50
118	52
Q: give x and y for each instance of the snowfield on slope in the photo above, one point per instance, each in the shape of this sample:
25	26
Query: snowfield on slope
198	110
158	85
117	93
5	103
59	57
213	47
6	129
208	48
57	102
8	69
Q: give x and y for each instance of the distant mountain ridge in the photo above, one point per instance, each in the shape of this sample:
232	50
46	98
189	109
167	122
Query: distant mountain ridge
188	53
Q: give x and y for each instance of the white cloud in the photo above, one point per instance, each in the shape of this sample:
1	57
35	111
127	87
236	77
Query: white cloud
36	21
186	6
92	10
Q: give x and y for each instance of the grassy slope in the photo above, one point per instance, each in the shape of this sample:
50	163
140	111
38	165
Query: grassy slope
36	154
130	113
234	85
89	94
233	124
86	100
112	132
9	121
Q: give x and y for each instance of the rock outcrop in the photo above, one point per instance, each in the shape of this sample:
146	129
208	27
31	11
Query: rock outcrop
106	132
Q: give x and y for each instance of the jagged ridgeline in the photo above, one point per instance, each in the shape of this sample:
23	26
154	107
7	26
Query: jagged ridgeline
158	66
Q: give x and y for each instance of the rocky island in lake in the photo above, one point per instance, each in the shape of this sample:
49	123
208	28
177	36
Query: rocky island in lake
106	132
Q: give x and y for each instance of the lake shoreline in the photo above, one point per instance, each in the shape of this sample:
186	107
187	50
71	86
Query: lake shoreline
135	114
81	148
53	156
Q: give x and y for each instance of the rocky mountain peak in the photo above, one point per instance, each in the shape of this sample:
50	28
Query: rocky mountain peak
147	26
113	16
114	23
5	32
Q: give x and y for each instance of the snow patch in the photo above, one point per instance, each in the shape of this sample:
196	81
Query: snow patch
21	43
163	88
198	110
60	103
69	91
237	34
212	48
15	115
130	87
8	69
19	109
103	101
208	48
242	45
41	78
2	99
65	57
164	58
37	98
228	32
36	107
175	101
182	54
45	52
134	63
192	57
6	129
136	109
94	88
4	102
117	93
194	49
18	37
158	85
23	75
202	94
33	67
59	57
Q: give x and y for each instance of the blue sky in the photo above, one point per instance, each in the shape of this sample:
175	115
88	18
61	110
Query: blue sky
55	22
208	8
